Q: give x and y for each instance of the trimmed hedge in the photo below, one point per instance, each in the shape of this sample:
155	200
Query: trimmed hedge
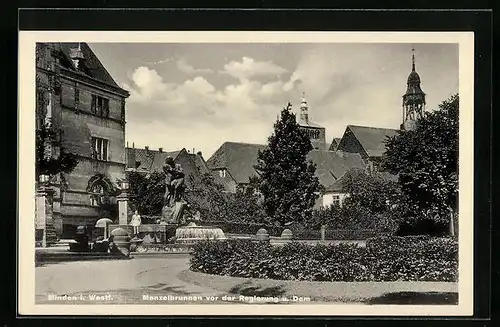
338	234
383	259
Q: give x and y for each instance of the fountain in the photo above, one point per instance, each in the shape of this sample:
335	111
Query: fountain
193	233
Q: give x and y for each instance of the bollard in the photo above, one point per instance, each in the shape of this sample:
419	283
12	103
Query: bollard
286	234
121	241
262	235
323	232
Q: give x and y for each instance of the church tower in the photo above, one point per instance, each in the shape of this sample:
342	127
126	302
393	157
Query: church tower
315	132
413	99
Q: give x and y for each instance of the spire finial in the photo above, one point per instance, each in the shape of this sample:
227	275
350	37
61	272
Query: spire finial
413	59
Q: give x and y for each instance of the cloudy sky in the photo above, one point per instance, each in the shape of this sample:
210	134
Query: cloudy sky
201	95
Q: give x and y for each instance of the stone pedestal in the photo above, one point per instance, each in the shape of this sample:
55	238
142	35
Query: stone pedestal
43	216
122	200
173	214
323	232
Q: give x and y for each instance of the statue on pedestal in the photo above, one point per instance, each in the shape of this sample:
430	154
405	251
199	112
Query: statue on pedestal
173	205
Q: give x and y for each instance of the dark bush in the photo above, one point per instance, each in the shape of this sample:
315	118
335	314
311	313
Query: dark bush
422	226
383	259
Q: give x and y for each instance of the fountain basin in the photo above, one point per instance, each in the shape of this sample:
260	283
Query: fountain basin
192	233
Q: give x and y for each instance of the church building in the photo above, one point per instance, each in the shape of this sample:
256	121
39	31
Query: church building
316	132
369	141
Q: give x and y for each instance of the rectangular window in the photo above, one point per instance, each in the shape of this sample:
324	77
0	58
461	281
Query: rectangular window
336	200
100	148
222	173
100	106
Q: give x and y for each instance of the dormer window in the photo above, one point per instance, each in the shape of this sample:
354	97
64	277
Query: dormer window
222	173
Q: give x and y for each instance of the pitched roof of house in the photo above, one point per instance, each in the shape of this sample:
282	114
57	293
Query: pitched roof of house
200	163
238	158
148	160
92	65
332	165
335	143
372	138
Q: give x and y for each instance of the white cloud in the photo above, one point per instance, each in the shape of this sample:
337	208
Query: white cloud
248	68
184	67
147	85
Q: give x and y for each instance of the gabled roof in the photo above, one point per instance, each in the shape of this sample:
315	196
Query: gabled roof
200	163
92	65
372	138
332	165
335	143
149	160
238	158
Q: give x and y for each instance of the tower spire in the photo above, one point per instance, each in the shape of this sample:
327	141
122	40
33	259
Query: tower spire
304	115
413	59
413	99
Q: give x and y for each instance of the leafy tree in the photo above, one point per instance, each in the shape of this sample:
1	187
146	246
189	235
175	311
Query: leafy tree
426	161
146	192
208	199
373	191
286	179
48	164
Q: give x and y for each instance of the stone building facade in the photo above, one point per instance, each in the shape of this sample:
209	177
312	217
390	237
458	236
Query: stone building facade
79	100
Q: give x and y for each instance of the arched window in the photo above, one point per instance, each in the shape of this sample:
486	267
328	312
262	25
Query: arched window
98	188
97	194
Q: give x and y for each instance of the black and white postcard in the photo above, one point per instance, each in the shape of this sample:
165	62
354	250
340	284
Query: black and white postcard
250	173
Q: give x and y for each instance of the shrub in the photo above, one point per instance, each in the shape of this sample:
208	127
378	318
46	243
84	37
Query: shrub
338	234
383	259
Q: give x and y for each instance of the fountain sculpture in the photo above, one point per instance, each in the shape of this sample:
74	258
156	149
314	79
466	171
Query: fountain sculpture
193	233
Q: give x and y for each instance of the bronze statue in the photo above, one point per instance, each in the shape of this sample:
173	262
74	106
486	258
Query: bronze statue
174	191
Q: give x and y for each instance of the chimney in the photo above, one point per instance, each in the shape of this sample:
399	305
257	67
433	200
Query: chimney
127	144
199	153
147	148
160	149
133	145
131	161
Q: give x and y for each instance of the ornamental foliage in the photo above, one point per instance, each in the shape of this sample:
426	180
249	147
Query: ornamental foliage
426	160
46	163
286	178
